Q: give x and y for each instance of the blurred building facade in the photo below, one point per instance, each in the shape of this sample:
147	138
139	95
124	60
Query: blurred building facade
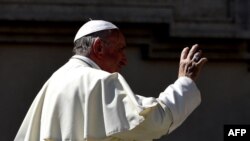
36	38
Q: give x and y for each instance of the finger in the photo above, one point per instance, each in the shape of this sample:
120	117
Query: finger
202	62
192	51
197	56
184	53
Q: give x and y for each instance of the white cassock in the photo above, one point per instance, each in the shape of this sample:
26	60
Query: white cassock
81	102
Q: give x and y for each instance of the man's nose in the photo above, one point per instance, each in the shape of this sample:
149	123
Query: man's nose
124	59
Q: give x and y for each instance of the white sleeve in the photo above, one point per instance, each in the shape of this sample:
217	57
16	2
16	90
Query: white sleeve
172	108
181	98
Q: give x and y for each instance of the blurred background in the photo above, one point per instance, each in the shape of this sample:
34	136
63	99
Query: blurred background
36	38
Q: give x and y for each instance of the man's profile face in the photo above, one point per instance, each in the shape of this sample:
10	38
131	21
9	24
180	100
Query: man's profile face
114	57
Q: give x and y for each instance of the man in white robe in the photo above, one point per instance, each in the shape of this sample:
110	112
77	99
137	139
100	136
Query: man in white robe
87	99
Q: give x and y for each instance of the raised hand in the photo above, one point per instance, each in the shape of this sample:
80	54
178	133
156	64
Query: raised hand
191	62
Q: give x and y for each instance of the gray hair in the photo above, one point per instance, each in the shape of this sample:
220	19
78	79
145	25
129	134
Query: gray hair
82	46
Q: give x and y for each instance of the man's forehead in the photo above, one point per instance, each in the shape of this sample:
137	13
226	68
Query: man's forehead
119	38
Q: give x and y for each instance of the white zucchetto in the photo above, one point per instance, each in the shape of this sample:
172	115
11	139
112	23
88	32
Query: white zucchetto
94	26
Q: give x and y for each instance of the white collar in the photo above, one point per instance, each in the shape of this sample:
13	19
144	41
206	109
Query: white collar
87	60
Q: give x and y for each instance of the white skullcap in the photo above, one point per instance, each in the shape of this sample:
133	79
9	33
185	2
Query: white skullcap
94	26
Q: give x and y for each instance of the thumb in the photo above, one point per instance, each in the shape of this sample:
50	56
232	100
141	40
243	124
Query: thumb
202	62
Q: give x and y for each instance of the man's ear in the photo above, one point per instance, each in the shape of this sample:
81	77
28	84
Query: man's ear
97	48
